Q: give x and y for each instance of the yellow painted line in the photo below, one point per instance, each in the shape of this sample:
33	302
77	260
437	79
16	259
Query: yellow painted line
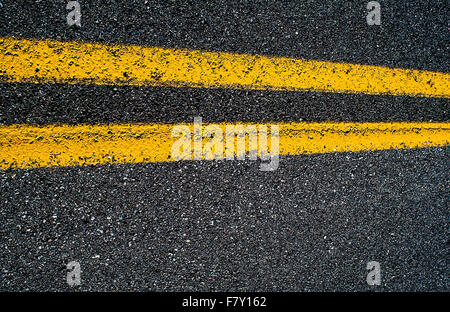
27	146
47	61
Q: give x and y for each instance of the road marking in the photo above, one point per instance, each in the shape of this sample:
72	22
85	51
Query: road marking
27	146
47	61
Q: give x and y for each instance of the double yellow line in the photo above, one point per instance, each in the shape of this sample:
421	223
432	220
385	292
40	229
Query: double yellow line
47	61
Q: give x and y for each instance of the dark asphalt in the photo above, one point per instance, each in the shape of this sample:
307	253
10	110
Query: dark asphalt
413	33
311	225
45	104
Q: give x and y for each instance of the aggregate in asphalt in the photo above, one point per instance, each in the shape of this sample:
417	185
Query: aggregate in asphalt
311	225
412	34
47	104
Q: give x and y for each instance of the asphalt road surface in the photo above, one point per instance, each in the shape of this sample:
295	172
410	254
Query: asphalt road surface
311	225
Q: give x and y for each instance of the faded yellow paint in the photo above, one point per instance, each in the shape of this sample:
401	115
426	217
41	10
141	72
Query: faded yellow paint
27	146
47	61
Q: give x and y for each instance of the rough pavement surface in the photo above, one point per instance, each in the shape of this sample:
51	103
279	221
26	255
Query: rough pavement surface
311	225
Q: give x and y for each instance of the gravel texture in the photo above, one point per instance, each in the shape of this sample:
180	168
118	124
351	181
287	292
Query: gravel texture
311	225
